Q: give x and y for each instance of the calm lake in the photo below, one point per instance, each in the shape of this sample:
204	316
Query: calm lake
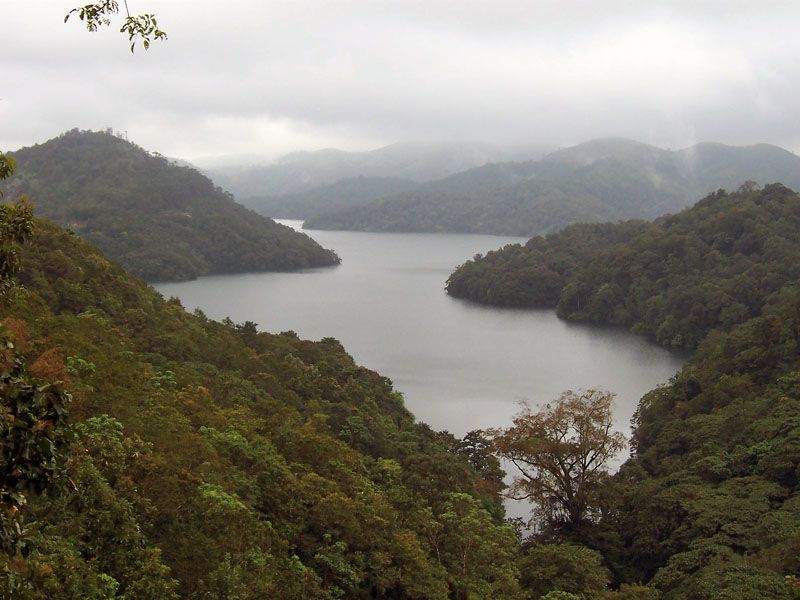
460	366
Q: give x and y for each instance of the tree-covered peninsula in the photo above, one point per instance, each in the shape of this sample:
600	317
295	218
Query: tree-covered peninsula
159	220
712	266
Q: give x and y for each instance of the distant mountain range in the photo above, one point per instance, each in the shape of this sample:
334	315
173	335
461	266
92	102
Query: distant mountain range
343	194
160	220
601	180
303	171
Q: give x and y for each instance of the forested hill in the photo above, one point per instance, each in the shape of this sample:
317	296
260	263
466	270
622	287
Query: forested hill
598	181
159	220
213	461
345	193
708	267
710	501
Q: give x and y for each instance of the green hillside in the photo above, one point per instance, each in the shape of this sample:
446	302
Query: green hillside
602	180
212	461
709	504
159	220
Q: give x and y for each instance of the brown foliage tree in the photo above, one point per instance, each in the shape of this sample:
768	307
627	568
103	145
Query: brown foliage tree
562	452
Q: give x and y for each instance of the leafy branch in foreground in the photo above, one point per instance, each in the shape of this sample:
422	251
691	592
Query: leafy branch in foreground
142	27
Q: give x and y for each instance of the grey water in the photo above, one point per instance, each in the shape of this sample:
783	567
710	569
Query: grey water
459	366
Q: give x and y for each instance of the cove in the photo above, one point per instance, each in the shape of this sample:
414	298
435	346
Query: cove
459	366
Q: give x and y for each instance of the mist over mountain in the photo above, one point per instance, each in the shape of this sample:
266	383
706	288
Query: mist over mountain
342	194
303	171
600	180
160	220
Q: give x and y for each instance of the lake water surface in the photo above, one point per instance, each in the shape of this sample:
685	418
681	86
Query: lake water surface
460	366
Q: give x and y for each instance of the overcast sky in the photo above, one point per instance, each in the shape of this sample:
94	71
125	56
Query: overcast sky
267	77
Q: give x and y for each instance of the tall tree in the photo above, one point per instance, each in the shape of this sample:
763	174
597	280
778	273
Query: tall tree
561	453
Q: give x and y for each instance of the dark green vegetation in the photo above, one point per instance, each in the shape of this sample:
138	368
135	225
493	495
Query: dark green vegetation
160	221
342	194
213	461
708	267
708	506
602	180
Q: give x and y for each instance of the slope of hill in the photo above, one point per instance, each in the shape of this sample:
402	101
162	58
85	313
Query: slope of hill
213	461
161	221
601	180
709	500
345	193
303	171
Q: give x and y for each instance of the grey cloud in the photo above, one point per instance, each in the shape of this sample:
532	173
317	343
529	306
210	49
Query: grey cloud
271	77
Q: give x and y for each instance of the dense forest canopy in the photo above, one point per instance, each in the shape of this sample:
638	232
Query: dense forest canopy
709	505
159	220
708	267
598	181
214	461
